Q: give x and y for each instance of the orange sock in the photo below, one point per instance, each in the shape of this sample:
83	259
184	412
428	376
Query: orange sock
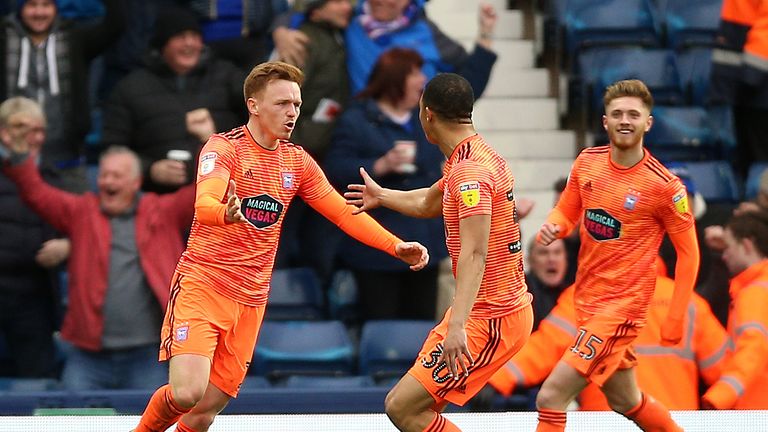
652	416
551	420
441	424
181	427
161	412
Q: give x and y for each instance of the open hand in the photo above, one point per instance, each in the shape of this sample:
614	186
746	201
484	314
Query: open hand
413	253
233	213
364	196
291	46
456	353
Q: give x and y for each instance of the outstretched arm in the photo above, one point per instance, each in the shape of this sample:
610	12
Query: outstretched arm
420	203
365	229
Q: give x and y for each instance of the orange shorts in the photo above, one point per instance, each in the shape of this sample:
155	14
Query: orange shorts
603	344
492	342
201	321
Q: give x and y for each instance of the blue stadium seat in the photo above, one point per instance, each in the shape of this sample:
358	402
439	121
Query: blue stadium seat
694	65
295	294
752	186
304	381
303	348
714	179
590	23
28	384
601	67
681	133
691	22
342	297
252	382
388	348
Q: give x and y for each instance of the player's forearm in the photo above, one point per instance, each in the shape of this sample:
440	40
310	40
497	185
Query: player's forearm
413	203
208	206
469	275
686	270
361	227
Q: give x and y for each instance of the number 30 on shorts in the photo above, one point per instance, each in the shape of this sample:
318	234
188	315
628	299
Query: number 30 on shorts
588	350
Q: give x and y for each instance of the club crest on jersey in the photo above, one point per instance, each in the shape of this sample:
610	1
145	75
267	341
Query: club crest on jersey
681	201
182	333
207	163
287	180
261	211
470	193
601	225
631	199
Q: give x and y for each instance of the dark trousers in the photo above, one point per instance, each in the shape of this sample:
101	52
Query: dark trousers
751	128
397	295
27	322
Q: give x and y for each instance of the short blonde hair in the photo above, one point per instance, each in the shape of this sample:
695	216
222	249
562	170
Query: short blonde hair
628	88
19	105
263	73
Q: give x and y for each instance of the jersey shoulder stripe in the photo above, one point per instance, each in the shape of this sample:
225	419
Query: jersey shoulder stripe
596	150
234	134
663	171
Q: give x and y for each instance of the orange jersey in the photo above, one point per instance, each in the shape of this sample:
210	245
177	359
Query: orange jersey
624	213
237	259
477	181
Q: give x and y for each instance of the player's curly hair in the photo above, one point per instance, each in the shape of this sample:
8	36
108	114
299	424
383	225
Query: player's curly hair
450	96
628	88
263	73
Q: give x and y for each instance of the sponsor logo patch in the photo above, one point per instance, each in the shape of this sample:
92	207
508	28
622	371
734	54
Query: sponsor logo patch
601	225
470	193
261	211
681	202
207	163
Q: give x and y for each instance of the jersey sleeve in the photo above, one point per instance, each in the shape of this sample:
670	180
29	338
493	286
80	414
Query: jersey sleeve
674	210
217	159
472	187
314	184
568	208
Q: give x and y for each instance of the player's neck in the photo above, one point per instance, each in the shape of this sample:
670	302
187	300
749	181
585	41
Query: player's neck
627	157
269	143
449	138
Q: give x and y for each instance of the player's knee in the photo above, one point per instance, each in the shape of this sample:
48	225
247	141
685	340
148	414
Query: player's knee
394	408
187	396
548	398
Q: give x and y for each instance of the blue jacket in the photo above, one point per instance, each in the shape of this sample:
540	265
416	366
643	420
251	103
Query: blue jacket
362	135
441	54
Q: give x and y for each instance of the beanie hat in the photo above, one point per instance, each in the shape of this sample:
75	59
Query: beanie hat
310	5
172	21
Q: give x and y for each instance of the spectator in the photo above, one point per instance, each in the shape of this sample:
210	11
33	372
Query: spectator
670	374
739	75
308	238
379	25
29	254
745	375
47	60
381	133
167	110
124	248
547	266
238	30
325	91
